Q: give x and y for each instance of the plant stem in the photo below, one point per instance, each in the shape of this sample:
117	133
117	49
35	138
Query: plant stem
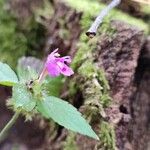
8	126
42	75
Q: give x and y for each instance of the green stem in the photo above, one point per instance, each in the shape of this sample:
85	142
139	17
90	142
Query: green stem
8	126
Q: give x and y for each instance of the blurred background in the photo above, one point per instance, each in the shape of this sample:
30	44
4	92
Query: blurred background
112	71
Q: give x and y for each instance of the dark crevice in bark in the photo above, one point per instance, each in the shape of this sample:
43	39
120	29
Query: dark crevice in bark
78	100
123	109
140	102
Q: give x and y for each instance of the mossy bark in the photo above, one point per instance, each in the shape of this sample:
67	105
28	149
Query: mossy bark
100	87
103	84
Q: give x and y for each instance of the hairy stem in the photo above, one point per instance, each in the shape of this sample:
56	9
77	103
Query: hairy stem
93	29
42	75
8	126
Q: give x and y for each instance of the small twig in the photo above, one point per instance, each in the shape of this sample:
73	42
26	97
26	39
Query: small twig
93	29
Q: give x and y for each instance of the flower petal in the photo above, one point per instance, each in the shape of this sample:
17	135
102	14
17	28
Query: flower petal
64	69
53	55
53	69
65	59
57	65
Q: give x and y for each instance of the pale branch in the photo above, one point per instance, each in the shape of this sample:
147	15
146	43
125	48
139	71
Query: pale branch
93	29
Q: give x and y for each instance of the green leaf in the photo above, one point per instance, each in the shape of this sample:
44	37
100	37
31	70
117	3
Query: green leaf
26	74
7	75
66	115
22	98
53	85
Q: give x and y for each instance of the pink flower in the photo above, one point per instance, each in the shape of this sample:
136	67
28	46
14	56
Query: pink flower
56	65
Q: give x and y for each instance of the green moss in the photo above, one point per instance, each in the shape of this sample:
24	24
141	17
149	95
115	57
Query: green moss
87	6
13	43
103	80
64	34
46	11
95	86
92	8
90	79
146	9
73	87
105	98
107	136
80	56
86	69
70	143
95	91
16	39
